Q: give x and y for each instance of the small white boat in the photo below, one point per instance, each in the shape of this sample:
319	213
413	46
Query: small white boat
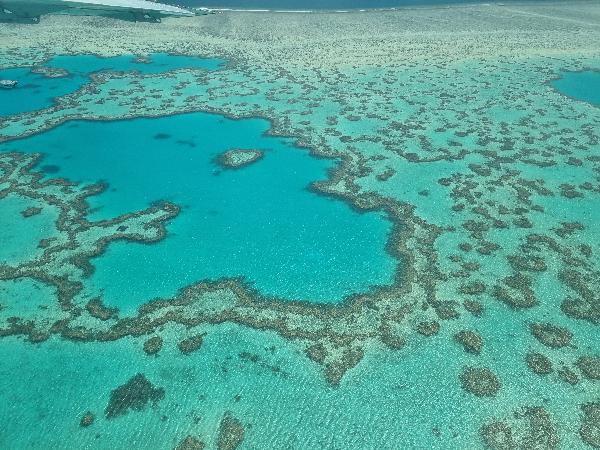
8	84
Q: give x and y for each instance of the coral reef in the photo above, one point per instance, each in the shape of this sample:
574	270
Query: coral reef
550	335
590	425
190	443
191	344
231	433
87	419
134	395
589	366
470	341
480	381
153	345
237	158
530	427
539	363
487	172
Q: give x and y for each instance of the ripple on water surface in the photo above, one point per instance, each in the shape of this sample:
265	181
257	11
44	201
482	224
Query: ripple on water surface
260	221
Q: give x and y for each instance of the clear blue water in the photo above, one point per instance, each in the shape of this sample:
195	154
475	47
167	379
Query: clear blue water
34	91
37	91
583	86
260	222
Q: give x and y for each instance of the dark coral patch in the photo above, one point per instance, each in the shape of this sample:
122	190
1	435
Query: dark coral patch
586	304
428	328
582	309
190	443
87	419
470	341
568	376
474	307
317	352
551	335
538	363
392	340
31	211
50	168
336	369
498	436
231	433
97	309
238	158
589	366
539	430
153	345
527	264
191	344
516	291
590	425
480	381
527	428
386	175
472	288
133	395
446	311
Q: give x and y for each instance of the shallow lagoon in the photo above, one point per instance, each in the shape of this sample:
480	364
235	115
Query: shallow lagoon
583	85
38	90
260	222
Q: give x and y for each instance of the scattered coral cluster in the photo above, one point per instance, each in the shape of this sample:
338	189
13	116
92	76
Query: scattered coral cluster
489	175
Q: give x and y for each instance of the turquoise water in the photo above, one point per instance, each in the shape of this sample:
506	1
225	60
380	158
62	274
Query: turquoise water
393	400
289	409
37	91
580	85
260	222
19	238
34	91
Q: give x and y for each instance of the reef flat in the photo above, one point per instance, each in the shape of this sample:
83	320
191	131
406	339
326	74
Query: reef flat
236	158
448	121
